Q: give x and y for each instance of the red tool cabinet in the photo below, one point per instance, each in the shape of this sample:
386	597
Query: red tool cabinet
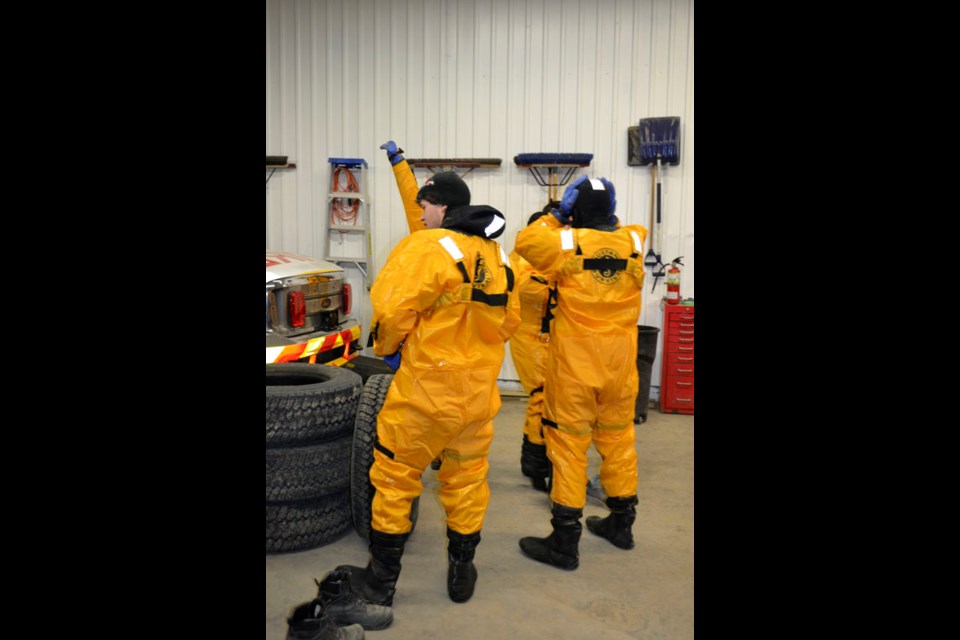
676	362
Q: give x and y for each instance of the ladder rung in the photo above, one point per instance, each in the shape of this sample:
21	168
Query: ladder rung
356	168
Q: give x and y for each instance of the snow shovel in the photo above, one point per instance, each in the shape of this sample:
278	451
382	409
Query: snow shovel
659	143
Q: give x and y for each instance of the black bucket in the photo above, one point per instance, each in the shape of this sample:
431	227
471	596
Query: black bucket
646	354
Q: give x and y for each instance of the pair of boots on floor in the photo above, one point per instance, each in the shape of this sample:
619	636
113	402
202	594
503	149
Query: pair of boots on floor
352	598
358	598
561	548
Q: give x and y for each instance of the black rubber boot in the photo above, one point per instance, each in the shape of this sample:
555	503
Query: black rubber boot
617	526
309	621
535	464
461	575
345	606
377	582
560	548
540	484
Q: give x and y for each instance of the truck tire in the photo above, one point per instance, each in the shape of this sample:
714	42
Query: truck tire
309	402
364	432
300	473
305	524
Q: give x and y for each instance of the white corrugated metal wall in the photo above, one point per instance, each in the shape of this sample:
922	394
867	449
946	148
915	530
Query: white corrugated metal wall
475	79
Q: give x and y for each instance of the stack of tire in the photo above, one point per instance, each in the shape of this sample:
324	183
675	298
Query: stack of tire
310	415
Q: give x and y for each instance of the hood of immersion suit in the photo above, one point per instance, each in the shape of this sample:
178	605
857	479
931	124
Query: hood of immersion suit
475	220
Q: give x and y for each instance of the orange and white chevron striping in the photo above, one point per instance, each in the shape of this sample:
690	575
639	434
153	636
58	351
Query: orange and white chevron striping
310	349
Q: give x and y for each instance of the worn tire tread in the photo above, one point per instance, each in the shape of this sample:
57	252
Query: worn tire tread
364	433
294	526
321	406
301	473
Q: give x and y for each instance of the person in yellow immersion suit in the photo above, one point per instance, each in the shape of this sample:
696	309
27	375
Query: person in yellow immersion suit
408	188
591	376
443	307
528	346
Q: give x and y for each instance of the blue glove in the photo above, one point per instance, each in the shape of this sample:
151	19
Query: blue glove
393	152
612	220
393	360
564	218
571	194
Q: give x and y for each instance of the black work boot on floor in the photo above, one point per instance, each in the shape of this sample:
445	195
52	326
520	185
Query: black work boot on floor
461	574
560	548
535	464
309	622
617	526
377	582
345	606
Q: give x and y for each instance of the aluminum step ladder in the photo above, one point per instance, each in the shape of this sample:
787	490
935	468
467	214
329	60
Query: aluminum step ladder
348	216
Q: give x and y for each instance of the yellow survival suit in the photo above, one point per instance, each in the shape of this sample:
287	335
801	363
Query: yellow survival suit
444	304
444	297
528	351
591	376
528	347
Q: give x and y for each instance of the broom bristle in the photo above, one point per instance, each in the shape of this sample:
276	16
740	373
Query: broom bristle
527	159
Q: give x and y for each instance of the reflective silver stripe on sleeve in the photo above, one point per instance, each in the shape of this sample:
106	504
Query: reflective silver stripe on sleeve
451	247
637	245
566	239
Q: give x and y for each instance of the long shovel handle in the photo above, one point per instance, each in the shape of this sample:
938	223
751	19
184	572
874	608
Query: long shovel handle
659	173
659	230
650	260
653	186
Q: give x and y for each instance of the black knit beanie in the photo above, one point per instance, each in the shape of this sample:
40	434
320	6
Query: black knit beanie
445	188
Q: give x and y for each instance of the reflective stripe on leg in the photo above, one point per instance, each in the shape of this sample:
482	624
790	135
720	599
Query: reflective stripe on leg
464	491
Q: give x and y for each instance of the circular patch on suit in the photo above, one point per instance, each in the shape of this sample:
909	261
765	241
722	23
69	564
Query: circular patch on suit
606	276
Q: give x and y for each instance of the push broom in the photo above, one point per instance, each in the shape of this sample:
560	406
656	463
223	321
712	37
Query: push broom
552	163
659	143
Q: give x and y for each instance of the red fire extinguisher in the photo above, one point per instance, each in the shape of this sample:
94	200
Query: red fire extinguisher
673	281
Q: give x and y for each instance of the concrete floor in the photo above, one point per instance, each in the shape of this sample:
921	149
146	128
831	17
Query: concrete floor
646	592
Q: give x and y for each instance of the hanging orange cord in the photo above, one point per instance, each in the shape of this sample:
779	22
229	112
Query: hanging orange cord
344	211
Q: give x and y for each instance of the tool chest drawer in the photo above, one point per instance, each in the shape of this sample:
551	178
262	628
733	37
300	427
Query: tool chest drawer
679	365
677	360
676	395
